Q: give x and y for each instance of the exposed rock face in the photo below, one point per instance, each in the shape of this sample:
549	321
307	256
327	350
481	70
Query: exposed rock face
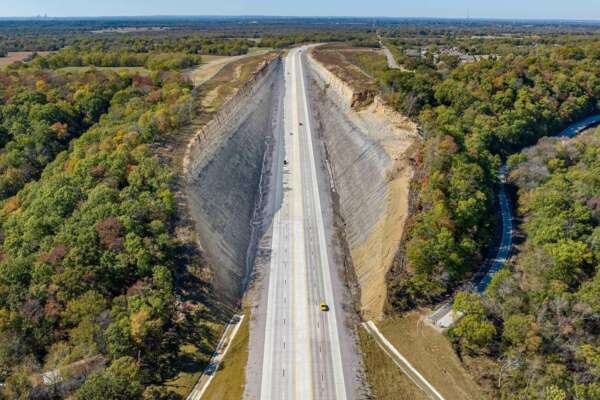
367	150
360	99
223	168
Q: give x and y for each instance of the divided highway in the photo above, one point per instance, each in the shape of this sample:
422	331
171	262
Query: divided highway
302	353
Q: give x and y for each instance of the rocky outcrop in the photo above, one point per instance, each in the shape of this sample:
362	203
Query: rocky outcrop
368	153
223	167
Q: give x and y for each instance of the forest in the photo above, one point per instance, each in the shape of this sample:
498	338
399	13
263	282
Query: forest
472	116
88	255
534	332
540	316
44	113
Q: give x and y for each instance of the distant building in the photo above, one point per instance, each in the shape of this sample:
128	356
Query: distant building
413	52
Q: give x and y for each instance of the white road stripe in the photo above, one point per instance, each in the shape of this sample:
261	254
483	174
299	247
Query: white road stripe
302	356
220	353
338	371
303	365
390	347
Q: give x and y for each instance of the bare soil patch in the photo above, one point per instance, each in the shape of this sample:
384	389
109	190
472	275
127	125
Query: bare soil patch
341	62
229	79
211	65
22	56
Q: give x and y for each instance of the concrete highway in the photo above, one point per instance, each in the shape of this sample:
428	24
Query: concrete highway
302	353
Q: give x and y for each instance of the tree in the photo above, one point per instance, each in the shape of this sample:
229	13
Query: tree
473	331
522	333
591	356
569	260
18	386
554	393
119	381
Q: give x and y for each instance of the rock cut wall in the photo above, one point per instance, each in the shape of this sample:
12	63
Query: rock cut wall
223	167
367	150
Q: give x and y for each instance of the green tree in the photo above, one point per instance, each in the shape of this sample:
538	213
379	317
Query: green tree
473	331
121	380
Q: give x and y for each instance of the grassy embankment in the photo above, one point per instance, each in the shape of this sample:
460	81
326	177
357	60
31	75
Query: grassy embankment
192	363
229	381
432	354
386	380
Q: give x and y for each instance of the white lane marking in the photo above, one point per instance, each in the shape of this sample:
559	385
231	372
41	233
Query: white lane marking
408	365
197	393
303	365
266	391
340	386
289	307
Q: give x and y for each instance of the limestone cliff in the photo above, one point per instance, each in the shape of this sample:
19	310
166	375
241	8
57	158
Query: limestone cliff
223	167
367	148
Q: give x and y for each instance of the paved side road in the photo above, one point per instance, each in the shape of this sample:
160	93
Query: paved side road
392	63
302	352
443	317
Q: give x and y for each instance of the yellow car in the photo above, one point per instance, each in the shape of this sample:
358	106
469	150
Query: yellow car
324	307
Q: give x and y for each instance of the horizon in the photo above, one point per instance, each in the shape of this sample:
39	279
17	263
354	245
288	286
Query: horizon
578	10
233	16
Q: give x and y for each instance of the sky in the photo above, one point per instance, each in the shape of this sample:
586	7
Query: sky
559	9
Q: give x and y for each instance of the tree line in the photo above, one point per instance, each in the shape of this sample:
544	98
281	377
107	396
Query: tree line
77	57
188	42
358	39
